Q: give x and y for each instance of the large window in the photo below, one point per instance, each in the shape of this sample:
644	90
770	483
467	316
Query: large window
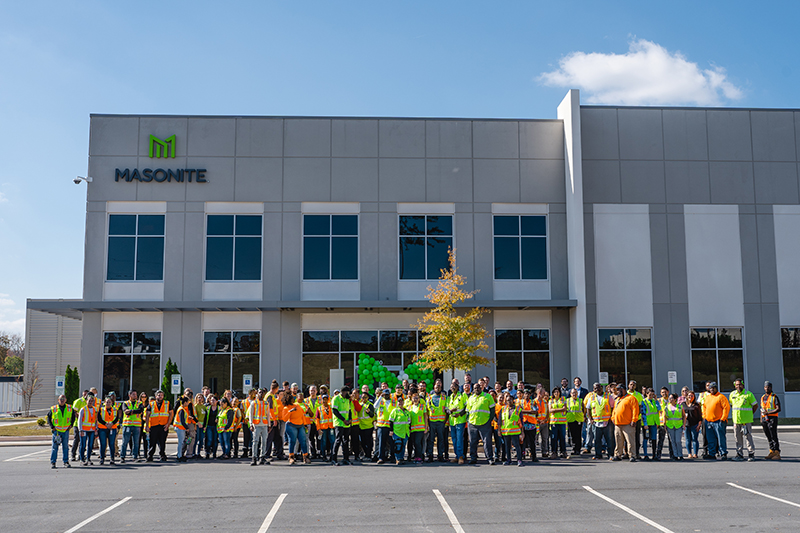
233	248
228	356
131	361
135	248
326	350
424	241
524	351
627	354
330	247
520	247
717	355
790	342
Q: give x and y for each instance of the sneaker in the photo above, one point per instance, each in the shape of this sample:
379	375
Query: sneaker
632	459
67	465
53	466
380	461
102	462
645	458
111	462
491	461
507	463
122	460
519	463
85	463
723	457
616	458
473	461
751	458
738	458
253	462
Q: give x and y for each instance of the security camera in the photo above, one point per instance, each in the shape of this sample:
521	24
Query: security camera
79	179
76	181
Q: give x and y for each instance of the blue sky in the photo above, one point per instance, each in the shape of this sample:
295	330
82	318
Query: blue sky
61	61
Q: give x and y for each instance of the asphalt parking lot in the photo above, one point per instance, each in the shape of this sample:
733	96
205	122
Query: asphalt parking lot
566	495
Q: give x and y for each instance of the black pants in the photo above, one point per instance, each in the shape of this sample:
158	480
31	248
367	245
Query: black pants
342	440
530	442
313	435
483	433
638	439
574	429
770	426
355	441
417	440
385	447
158	437
274	441
705	440
511	441
499	449
366	441
76	443
235	442
248	439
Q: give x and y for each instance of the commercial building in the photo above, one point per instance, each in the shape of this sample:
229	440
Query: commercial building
632	241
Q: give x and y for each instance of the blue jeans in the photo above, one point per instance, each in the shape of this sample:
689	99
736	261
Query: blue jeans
602	434
717	442
199	442
212	439
326	441
108	437
62	438
457	436
692	444
651	435
399	447
86	438
297	433
181	434
558	439
130	435
225	442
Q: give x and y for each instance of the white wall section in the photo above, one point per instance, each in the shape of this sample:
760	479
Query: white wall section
787	257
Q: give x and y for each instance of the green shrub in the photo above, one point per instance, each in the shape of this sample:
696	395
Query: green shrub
41	422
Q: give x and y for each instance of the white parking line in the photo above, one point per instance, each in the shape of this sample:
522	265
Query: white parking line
449	512
764	495
780	441
628	510
272	513
24	456
101	513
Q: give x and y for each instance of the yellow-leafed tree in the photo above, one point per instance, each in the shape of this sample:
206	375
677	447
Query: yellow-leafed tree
452	338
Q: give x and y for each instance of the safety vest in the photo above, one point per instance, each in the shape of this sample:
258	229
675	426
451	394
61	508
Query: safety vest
542	415
402	422
159	417
307	418
108	420
651	412
478	407
457	402
277	407
601	410
639	399
437	414
132	420
353	414
324	417
177	422
674	416
259	412
89	418
224	416
557	418
313	404
662	416
385	408
527	405
510	423
574	410
417	418
768	402
364	420
742	406
343	405
61	421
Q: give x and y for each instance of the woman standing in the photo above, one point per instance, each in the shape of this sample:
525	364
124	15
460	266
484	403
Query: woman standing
143	433
558	424
575	420
107	424
325	427
511	428
181	425
200	414
294	414
210	427
238	414
87	422
675	421
226	422
419	425
694	418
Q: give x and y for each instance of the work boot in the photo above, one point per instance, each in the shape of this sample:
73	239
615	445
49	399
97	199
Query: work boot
253	462
751	458
306	460
771	453
776	456
738	458
53	466
291	459
461	460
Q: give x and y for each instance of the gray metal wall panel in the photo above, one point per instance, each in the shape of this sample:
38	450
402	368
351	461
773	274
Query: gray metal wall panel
191	334
368	243
772	361
174	256
681	350
729	135
591	343
731	182
599	134
448	138
775	183
354	138
448	180
271	266
602	182
753	346
464	242
640	134
663	352
642	182
560	348
685	134
172	348
559	272
687	182
484	258
194	257
291	266
91	350
659	253
751	282
387	256
773	135
94	256
767	260
291	347
678	281
588	244
271	345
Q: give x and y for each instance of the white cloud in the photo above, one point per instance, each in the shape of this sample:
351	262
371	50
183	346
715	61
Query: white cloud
13	326
6	302
3	198
648	74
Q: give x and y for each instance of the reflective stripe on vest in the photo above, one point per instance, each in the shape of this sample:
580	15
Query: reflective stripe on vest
177	421
260	410
159	417
61	421
89	418
385	408
560	417
510	424
105	419
601	411
769	404
674	417
131	420
541	417
325	417
437	414
417	418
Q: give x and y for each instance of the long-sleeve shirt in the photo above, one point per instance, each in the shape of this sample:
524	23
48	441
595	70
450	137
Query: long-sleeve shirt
626	410
61	408
716	407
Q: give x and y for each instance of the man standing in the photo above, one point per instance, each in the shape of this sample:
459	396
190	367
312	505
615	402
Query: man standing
743	405
77	405
715	414
259	419
467	381
313	402
158	419
564	388
481	413
770	407
437	404
132	411
701	400
625	416
598	412
275	435
400	426
543	421
639	398
60	418
341	426
457	417
384	408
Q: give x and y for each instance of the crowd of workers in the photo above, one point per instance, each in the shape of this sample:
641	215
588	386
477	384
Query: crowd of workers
415	425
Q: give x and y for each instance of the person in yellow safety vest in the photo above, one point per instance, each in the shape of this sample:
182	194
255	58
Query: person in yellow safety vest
200	412
543	421
132	411
675	420
226	421
558	424
324	417
312	403
342	413
770	408
181	425
528	410
511	428
87	422
60	418
701	399
743	407
384	408
366	422
651	413
159	417
435	405
400	426
107	423
590	427
355	434
575	420
275	436
77	405
599	415
499	448
246	431
481	412
663	401
457	418
258	416
419	425
639	398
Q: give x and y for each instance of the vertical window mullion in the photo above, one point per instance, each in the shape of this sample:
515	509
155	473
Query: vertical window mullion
135	256
233	267
519	243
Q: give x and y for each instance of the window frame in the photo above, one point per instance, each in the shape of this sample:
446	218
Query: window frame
330	236
522	351
233	251
716	354
783	362
625	351
135	237
425	237
230	353
130	355
519	238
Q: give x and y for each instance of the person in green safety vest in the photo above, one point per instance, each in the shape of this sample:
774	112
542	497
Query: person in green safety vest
366	422
400	426
743	407
60	418
651	411
437	419
675	420
342	413
511	428
481	413
457	417
639	398
77	405
384	408
575	420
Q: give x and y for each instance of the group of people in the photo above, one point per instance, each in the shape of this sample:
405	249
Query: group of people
412	424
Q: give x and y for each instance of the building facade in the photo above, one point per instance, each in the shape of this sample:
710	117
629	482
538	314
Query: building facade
630	241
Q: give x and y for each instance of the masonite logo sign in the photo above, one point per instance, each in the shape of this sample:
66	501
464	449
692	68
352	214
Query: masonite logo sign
159	147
